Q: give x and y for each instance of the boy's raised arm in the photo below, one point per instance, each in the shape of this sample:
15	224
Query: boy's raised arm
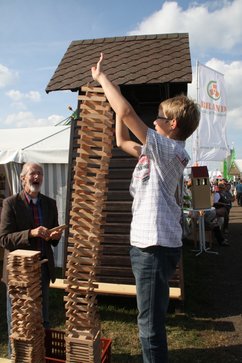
123	139
119	104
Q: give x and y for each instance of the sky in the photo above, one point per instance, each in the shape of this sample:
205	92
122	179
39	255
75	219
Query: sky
34	35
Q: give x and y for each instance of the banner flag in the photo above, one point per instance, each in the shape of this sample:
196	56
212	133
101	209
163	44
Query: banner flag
210	142
231	163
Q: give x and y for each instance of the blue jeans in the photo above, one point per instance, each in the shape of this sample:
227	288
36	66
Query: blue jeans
152	268
45	281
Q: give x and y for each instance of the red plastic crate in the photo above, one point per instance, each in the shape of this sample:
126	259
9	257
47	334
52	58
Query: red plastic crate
55	349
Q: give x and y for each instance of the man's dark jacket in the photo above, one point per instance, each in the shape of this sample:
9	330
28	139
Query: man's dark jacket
17	220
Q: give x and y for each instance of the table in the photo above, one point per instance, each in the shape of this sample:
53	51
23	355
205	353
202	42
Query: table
198	215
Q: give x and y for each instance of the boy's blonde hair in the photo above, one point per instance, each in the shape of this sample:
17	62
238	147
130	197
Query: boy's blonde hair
185	111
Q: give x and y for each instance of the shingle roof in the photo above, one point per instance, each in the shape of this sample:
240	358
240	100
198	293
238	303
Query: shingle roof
157	58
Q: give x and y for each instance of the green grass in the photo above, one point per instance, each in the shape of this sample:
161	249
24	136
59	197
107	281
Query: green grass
190	339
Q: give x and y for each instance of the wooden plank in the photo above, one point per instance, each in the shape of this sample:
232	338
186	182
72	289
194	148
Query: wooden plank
82	213
96	134
115	195
118	206
118	184
87	147
118	217
89	124
89	188
99	116
98	107
91	97
100	119
96	143
92	152
122	163
117	228
85	159
116	289
82	196
89	88
116	274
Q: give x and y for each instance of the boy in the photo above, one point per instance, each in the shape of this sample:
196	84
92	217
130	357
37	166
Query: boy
155	228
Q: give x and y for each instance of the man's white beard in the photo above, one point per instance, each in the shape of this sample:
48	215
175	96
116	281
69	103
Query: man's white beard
34	188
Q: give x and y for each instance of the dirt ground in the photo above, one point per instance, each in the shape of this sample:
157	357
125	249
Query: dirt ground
218	280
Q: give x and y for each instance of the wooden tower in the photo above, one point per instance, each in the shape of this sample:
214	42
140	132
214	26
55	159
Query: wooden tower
90	169
27	332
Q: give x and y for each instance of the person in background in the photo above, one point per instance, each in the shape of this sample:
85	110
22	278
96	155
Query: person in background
222	204
239	192
25	222
212	224
229	195
156	232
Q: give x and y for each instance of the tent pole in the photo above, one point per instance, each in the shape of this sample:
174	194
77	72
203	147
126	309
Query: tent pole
195	144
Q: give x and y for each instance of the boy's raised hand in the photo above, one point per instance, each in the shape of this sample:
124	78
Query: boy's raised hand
97	70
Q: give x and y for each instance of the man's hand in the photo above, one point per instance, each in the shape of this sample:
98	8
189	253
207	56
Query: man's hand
47	234
97	70
56	235
56	232
40	232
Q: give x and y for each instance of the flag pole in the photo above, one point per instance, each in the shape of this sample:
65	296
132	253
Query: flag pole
195	148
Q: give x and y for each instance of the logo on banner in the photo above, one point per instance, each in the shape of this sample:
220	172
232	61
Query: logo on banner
212	90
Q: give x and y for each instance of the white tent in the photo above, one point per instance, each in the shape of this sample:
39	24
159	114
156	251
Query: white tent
41	144
48	146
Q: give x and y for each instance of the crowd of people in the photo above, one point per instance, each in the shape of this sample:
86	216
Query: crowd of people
223	194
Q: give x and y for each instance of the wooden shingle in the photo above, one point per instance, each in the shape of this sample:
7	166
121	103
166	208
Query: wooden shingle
129	60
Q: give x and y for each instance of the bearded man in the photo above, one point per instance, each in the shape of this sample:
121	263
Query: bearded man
26	220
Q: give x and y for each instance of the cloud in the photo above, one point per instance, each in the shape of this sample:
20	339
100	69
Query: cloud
7	76
233	79
27	119
220	20
55	119
234	117
18	96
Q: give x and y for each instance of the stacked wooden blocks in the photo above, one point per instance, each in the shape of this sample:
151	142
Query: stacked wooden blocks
95	129
27	332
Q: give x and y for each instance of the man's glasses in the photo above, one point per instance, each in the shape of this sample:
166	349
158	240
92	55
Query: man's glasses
163	118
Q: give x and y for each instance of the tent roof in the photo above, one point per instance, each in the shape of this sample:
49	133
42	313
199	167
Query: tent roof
238	163
236	167
41	144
